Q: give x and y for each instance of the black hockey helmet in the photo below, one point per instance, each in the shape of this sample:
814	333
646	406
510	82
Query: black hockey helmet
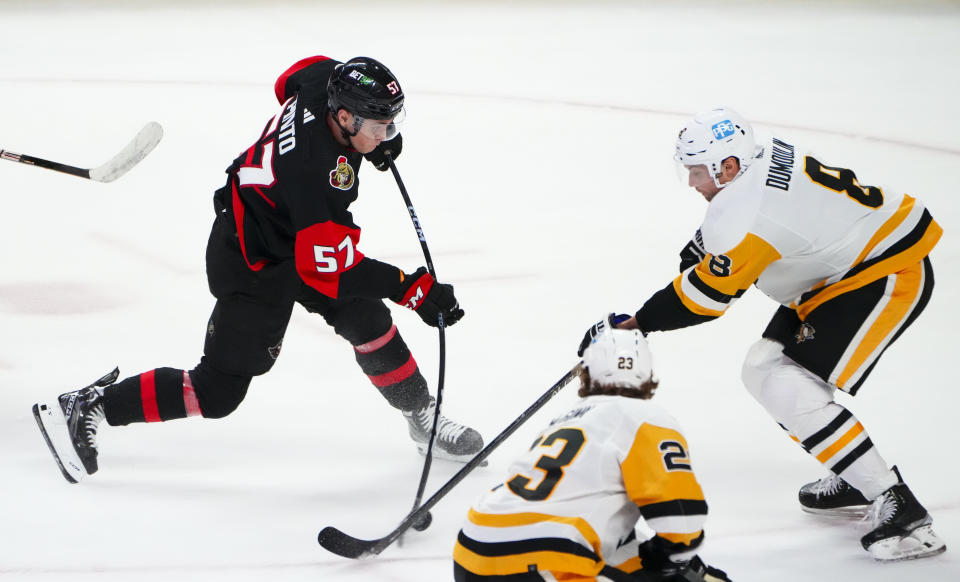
364	87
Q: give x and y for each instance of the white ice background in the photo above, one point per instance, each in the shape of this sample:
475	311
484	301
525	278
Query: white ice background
538	156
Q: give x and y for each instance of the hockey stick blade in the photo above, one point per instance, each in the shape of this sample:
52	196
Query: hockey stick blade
337	542
344	545
120	164
130	156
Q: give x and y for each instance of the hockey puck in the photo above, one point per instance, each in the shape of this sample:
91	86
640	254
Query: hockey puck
423	523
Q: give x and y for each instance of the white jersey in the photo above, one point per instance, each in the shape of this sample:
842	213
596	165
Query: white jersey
577	495
795	226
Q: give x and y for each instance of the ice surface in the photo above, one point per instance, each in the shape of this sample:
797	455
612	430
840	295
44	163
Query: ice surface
537	153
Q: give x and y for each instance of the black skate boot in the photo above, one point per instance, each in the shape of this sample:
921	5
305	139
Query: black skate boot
834	497
902	528
69	426
455	442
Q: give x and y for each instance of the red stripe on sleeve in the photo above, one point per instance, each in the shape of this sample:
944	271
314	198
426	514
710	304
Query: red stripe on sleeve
398	375
148	396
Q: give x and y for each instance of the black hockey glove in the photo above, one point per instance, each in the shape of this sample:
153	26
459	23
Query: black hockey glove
693	252
610	321
658	567
378	157
696	571
429	299
693	571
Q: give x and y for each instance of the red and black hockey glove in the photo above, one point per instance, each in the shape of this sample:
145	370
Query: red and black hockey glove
420	292
378	157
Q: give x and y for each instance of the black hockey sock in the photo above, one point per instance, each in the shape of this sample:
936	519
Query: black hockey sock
154	396
391	368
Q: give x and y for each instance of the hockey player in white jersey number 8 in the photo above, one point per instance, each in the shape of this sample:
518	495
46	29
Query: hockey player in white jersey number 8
614	466
848	264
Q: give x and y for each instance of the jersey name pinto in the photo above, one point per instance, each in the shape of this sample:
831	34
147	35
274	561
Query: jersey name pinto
574	499
793	225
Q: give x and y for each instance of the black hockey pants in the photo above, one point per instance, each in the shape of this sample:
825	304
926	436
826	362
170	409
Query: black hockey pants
244	336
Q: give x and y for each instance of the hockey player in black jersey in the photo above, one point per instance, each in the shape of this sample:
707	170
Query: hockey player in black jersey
284	234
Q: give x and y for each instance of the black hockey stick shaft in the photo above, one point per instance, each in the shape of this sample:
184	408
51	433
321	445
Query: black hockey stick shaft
428	460
347	546
42	163
413	216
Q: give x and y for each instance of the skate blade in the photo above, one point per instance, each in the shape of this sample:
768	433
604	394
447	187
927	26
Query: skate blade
53	427
849	512
921	543
441	454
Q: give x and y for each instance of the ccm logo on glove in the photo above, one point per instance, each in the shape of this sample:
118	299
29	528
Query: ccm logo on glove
429	299
420	287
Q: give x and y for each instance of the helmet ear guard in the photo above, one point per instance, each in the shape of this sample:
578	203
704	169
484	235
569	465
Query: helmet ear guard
713	136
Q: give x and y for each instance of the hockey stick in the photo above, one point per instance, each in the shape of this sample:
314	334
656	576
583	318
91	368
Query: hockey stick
118	165
347	546
428	460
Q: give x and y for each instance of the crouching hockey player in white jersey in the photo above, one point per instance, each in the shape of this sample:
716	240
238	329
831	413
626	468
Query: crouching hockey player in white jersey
614	467
848	263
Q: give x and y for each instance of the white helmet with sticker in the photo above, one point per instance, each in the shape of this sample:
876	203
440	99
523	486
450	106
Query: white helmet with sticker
713	136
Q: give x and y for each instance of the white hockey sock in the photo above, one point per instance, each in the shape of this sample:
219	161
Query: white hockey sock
804	404
870	475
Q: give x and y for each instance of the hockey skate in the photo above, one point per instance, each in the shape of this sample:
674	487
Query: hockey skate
454	441
902	528
69	426
833	497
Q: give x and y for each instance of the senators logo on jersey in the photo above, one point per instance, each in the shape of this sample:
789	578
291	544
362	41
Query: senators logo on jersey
342	176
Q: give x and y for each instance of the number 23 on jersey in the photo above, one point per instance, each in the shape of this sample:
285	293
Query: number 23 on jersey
671	451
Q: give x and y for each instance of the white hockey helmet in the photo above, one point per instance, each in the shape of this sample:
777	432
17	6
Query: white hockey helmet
713	136
619	357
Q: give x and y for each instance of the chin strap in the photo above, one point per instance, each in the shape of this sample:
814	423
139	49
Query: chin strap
343	131
357	121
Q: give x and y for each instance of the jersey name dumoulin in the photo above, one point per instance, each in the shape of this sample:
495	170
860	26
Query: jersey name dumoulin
781	165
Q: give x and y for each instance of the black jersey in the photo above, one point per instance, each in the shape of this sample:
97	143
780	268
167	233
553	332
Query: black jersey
292	189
